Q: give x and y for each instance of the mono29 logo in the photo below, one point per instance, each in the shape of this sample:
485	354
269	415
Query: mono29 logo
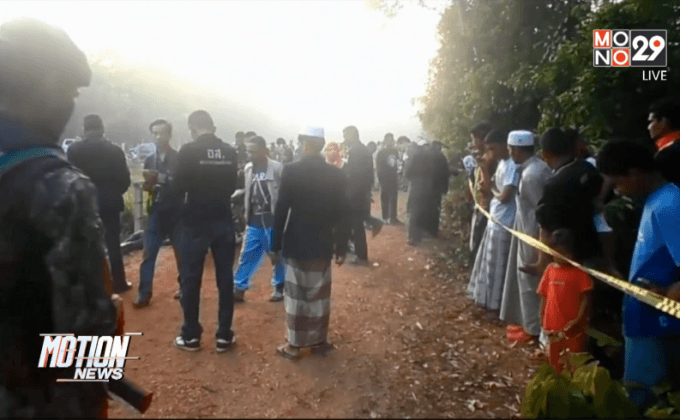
630	48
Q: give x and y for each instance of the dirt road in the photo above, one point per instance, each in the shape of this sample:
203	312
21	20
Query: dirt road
408	344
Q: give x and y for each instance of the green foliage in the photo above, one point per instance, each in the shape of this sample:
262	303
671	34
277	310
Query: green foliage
528	64
669	405
587	393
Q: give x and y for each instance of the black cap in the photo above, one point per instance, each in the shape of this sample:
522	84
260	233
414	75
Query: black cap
30	50
93	122
483	128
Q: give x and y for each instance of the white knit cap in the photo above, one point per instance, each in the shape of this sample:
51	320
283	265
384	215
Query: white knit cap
312	132
521	138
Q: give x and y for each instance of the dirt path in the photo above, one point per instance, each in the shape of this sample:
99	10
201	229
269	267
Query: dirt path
409	344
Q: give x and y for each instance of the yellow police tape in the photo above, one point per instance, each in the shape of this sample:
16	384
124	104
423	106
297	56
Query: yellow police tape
661	303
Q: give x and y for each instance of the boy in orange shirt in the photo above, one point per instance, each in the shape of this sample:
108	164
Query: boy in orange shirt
564	291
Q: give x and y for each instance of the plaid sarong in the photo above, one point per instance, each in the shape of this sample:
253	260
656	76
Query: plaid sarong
488	275
307	299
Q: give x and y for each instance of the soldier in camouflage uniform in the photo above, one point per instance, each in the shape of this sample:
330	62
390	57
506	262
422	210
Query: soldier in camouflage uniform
51	236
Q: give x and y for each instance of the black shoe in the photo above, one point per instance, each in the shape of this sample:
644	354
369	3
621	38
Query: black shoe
377	227
121	290
188	345
239	295
141	303
222	345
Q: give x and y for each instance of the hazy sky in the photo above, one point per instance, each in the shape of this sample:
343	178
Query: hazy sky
329	63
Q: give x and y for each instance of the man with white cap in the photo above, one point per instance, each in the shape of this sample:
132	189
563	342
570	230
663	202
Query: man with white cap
310	227
520	304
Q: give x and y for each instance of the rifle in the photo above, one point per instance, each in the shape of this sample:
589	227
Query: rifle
125	389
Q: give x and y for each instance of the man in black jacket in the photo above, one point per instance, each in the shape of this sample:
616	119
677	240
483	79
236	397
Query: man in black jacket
164	214
206	175
310	226
359	170
441	174
104	163
421	197
387	162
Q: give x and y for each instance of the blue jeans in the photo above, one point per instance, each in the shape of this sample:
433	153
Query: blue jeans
648	362
153	239
256	243
196	239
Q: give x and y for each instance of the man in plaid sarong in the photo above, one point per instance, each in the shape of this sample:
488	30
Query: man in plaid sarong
311	225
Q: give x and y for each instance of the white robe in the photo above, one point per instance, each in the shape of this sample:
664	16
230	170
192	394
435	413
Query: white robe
520	303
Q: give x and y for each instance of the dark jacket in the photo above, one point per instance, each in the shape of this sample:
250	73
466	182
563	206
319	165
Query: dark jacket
206	173
420	172
668	159
441	172
314	193
51	281
359	170
166	197
569	202
104	163
387	162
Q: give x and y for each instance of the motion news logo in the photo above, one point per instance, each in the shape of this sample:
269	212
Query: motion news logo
106	355
630	48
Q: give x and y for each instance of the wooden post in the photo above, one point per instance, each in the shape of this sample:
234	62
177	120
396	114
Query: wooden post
139	206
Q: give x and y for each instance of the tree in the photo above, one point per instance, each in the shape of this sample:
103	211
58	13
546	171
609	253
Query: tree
486	45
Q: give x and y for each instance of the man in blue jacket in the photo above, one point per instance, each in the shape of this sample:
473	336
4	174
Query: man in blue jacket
164	213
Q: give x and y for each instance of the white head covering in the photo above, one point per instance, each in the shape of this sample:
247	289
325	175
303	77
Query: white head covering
521	138
312	132
423	142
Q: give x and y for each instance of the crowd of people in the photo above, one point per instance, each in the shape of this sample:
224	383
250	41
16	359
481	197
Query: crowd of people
559	196
60	219
304	208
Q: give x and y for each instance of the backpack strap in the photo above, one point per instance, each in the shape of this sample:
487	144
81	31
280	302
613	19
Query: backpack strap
12	160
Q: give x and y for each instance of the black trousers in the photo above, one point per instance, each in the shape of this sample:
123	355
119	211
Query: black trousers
111	223
388	200
358	233
433	215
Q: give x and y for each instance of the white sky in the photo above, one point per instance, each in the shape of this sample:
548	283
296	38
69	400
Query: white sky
324	62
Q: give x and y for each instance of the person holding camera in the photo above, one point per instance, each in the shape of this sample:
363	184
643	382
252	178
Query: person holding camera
163	215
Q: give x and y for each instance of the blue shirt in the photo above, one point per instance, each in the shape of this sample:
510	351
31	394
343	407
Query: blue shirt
656	258
506	174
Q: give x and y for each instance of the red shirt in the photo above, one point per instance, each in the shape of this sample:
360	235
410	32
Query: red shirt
563	287
667	139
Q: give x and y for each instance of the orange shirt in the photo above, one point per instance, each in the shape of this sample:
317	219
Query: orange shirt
667	139
563	287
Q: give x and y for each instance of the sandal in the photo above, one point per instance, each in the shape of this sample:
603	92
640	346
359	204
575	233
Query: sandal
286	352
515	328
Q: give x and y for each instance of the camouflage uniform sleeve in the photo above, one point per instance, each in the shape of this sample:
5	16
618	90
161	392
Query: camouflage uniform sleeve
64	210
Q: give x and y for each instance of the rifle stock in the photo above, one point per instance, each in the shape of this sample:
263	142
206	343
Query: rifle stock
125	389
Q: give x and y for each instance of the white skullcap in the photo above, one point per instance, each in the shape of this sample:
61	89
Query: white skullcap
521	138
312	132
423	142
